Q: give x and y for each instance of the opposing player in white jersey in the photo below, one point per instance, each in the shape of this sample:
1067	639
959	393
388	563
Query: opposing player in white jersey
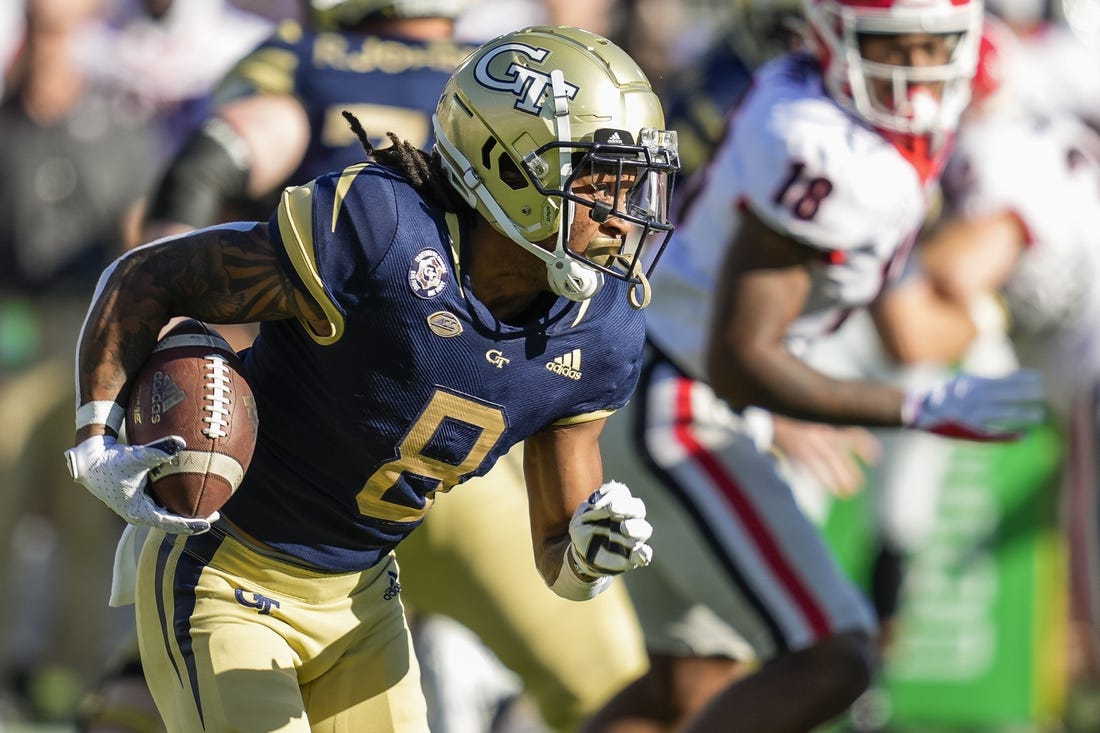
810	203
1026	225
1059	40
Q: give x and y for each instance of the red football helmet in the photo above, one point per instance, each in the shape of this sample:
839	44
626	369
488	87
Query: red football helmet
836	27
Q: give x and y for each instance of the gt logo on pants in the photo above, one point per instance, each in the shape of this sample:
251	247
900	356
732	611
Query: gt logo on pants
262	603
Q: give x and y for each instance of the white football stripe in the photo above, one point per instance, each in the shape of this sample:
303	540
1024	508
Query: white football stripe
193	461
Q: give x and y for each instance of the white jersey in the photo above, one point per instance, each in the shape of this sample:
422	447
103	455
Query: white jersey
808	169
1046	171
1052	70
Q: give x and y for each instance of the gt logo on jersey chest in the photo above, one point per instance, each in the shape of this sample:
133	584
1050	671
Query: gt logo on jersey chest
496	358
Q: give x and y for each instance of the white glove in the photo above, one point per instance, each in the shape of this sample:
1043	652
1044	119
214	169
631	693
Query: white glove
117	475
979	408
609	532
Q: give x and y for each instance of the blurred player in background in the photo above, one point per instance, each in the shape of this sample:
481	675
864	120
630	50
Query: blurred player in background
1026	227
700	101
531	164
277	117
1055	40
279	121
82	140
810	204
701	97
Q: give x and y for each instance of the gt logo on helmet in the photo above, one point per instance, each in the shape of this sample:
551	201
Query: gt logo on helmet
528	85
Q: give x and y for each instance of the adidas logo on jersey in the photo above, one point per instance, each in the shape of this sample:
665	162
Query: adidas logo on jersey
567	365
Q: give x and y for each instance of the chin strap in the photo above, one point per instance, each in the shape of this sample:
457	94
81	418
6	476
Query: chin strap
647	293
925	112
641	292
567	276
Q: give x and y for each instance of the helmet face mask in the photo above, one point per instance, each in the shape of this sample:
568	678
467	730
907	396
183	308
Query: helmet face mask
617	180
532	113
918	99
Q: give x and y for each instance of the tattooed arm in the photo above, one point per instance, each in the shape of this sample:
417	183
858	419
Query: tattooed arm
222	274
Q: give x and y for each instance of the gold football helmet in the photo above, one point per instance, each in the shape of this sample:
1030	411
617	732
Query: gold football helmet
531	111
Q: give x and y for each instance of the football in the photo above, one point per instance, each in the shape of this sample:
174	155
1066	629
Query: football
192	386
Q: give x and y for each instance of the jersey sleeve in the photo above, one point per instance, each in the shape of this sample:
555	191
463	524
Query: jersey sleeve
271	68
331	234
611	366
810	171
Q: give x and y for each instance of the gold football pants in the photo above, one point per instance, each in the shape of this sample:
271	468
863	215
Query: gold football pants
235	641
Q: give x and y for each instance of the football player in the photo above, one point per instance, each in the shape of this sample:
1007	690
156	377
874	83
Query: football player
379	391
699	98
279	122
809	204
1024	226
277	117
698	104
1055	38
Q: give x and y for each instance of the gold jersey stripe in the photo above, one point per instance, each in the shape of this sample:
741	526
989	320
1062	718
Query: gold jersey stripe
296	230
454	229
586	417
270	70
347	177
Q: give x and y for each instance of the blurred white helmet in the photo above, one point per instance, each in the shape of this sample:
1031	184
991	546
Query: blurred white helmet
836	27
1083	18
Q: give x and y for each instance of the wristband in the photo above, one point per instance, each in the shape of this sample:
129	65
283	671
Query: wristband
100	412
571	587
760	427
989	313
911	408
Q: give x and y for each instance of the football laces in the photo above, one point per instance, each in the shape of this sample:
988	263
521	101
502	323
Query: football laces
218	397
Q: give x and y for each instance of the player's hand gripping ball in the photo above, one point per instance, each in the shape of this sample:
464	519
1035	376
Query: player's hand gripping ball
192	387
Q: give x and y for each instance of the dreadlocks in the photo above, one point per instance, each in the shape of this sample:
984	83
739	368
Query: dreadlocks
423	170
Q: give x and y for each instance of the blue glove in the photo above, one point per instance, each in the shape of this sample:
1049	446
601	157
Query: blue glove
978	408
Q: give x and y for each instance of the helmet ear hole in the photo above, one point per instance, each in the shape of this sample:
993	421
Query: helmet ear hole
487	153
510	173
506	169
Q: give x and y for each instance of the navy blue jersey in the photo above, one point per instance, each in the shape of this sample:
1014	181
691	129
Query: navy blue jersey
417	387
390	84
